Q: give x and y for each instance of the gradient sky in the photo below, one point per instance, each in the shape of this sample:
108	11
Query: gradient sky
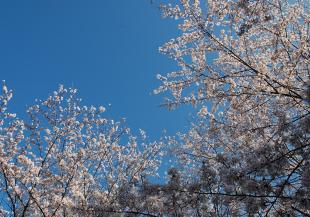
107	49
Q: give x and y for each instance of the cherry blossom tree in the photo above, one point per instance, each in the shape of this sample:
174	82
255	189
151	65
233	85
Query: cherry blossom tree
245	65
67	158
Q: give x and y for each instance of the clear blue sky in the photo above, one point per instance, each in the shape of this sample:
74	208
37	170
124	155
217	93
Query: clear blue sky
108	49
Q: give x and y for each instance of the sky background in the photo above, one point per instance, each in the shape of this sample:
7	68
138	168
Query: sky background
107	49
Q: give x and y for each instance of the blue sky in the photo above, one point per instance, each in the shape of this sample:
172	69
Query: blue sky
107	49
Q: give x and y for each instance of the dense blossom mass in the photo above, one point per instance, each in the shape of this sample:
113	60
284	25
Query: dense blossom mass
245	66
67	158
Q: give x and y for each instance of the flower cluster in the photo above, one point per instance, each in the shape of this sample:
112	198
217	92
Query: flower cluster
67	157
248	61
